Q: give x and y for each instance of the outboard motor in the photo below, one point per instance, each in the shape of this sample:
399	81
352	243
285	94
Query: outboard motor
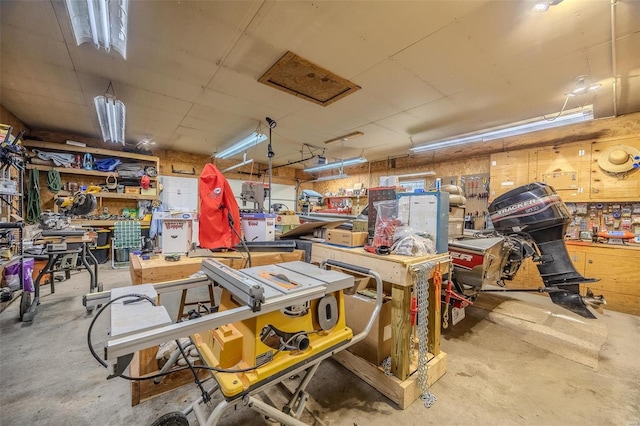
536	210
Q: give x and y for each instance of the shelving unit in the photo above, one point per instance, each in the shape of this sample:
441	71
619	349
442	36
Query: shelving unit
112	200
114	195
11	213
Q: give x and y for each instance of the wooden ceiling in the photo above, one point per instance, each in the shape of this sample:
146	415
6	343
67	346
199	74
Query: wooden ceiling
426	69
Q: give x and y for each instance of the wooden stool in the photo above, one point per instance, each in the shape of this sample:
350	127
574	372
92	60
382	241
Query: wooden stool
183	303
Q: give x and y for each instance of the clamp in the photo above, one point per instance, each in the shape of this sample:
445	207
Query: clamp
381	250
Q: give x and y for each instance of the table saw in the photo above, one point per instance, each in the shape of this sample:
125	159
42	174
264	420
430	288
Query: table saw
273	322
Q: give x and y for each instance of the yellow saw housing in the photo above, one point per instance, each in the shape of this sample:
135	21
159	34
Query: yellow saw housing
239	345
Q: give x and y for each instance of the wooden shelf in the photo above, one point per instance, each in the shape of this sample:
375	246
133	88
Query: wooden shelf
72	171
97	222
114	195
93	151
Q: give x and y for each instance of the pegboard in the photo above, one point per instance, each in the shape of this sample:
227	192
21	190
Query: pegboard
476	190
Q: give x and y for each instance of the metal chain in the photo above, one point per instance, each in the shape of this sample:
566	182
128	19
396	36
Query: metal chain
386	366
421	282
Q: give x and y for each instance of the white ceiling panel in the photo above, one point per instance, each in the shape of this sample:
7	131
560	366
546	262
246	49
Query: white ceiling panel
428	69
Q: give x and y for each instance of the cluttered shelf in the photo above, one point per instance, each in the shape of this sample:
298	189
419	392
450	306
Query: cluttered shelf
89	150
74	171
98	222
114	195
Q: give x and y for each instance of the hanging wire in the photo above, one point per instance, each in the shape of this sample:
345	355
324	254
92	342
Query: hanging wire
113	91
566	99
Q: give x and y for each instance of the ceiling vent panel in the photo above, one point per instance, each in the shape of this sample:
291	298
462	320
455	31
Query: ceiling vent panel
306	80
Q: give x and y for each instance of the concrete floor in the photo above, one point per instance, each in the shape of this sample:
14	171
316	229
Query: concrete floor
47	375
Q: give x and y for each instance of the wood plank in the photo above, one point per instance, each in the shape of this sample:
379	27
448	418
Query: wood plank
400	330
72	171
157	269
94	151
99	223
114	195
402	392
392	268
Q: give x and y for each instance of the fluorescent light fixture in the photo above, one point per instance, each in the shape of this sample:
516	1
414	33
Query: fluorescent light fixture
513	129
543	6
336	164
112	116
582	87
345	137
418	174
242	145
244	163
101	22
330	177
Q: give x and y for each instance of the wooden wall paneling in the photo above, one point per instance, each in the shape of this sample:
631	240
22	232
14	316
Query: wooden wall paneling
508	171
567	169
607	187
619	285
371	177
527	277
602	128
6	117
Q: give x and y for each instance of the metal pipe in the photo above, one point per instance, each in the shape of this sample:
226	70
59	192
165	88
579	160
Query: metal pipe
613	57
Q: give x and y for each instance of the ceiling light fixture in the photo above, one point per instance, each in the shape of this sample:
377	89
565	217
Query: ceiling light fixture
336	164
345	137
543	6
513	129
330	177
242	145
582	87
101	22
244	163
111	115
418	174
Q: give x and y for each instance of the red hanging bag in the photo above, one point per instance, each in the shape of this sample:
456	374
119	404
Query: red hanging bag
219	212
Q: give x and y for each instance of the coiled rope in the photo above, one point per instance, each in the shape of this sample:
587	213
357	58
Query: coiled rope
33	197
54	183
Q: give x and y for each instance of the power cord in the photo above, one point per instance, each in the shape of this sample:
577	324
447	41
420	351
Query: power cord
244	244
33	197
54	182
190	366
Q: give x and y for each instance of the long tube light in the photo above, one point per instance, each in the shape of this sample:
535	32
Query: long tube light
242	145
112	117
243	163
336	164
330	177
101	22
513	129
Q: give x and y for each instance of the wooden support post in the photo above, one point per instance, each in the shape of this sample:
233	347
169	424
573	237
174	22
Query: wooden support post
400	330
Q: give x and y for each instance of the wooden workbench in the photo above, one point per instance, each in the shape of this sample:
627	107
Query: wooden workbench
157	270
396	273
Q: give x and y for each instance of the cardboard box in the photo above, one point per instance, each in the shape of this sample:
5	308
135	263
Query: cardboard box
176	235
346	238
258	226
377	345
287	219
149	191
360	225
